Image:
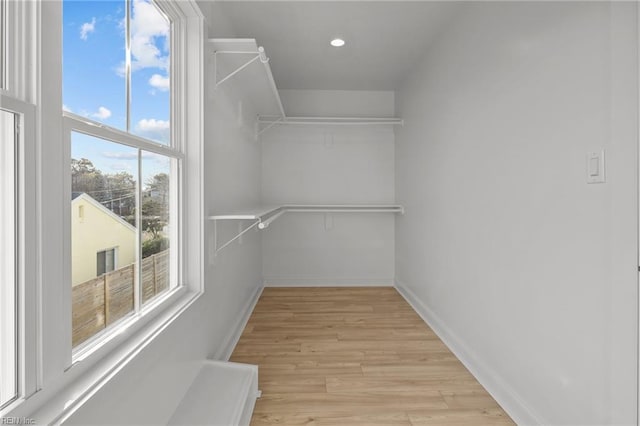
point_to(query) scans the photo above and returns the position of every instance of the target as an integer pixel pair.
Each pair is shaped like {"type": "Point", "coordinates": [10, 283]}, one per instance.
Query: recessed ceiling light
{"type": "Point", "coordinates": [337, 42]}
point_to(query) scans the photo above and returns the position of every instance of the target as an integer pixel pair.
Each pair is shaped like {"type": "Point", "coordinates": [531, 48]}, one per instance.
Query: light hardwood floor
{"type": "Point", "coordinates": [356, 356]}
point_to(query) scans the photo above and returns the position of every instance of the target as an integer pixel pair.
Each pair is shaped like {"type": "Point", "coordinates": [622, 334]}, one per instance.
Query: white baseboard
{"type": "Point", "coordinates": [326, 282]}
{"type": "Point", "coordinates": [225, 351]}
{"type": "Point", "coordinates": [508, 399]}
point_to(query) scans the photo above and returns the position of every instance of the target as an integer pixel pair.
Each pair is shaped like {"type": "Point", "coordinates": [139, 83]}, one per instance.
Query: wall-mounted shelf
{"type": "Point", "coordinates": [244, 60]}
{"type": "Point", "coordinates": [264, 216]}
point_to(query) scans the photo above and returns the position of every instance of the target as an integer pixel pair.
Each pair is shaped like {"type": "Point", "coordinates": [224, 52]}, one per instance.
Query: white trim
{"type": "Point", "coordinates": [229, 344]}
{"type": "Point", "coordinates": [637, 108]}
{"type": "Point", "coordinates": [192, 172]}
{"type": "Point", "coordinates": [508, 399]}
{"type": "Point", "coordinates": [123, 349]}
{"type": "Point", "coordinates": [9, 290]}
{"type": "Point", "coordinates": [4, 35]}
{"type": "Point", "coordinates": [27, 237]}
{"type": "Point", "coordinates": [275, 281]}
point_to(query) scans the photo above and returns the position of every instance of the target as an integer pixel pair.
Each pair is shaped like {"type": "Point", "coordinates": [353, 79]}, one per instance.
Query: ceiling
{"type": "Point", "coordinates": [384, 39]}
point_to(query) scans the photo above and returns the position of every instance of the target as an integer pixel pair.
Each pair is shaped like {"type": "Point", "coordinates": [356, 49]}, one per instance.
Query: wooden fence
{"type": "Point", "coordinates": [99, 302]}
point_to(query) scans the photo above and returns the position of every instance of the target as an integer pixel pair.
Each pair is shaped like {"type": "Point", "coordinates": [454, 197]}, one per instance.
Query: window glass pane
{"type": "Point", "coordinates": [94, 83]}
{"type": "Point", "coordinates": [8, 282]}
{"type": "Point", "coordinates": [103, 233]}
{"type": "Point", "coordinates": [156, 225]}
{"type": "Point", "coordinates": [150, 94]}
{"type": "Point", "coordinates": [105, 261]}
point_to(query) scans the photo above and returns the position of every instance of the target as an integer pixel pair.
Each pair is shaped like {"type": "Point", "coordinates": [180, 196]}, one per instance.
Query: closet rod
{"type": "Point", "coordinates": [361, 122]}
{"type": "Point", "coordinates": [265, 223]}
{"type": "Point", "coordinates": [344, 210]}
{"type": "Point", "coordinates": [271, 117]}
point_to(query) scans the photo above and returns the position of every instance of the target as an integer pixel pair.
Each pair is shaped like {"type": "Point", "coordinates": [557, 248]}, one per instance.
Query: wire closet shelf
{"type": "Point", "coordinates": [270, 109]}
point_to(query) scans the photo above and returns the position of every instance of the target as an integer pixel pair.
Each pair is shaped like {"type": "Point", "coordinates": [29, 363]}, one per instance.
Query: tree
{"type": "Point", "coordinates": [121, 191]}
{"type": "Point", "coordinates": [154, 217]}
{"type": "Point", "coordinates": [86, 178]}
{"type": "Point", "coordinates": [158, 187]}
{"type": "Point", "coordinates": [115, 191]}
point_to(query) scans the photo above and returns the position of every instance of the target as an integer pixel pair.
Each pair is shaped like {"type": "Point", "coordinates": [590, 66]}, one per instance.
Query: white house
{"type": "Point", "coordinates": [101, 241]}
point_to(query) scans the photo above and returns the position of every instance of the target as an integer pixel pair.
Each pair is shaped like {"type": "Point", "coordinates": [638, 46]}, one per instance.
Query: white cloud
{"type": "Point", "coordinates": [121, 155]}
{"type": "Point", "coordinates": [153, 125]}
{"type": "Point", "coordinates": [147, 25]}
{"type": "Point", "coordinates": [156, 129]}
{"type": "Point", "coordinates": [66, 108]}
{"type": "Point", "coordinates": [159, 82]}
{"type": "Point", "coordinates": [129, 155]}
{"type": "Point", "coordinates": [102, 114]}
{"type": "Point", "coordinates": [87, 28]}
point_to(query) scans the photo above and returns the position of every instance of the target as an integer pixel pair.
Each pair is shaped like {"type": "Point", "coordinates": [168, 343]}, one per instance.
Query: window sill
{"type": "Point", "coordinates": [94, 366]}
{"type": "Point", "coordinates": [106, 340]}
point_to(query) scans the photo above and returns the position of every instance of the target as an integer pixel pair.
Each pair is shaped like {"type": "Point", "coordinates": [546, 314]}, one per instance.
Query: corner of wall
{"type": "Point", "coordinates": [506, 397]}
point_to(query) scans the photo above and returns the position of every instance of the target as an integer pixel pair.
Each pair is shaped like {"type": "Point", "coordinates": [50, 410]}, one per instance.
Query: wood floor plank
{"type": "Point", "coordinates": [282, 384]}
{"type": "Point", "coordinates": [323, 419]}
{"type": "Point", "coordinates": [356, 356]}
{"type": "Point", "coordinates": [349, 404]}
{"type": "Point", "coordinates": [460, 417]}
{"type": "Point", "coordinates": [357, 384]}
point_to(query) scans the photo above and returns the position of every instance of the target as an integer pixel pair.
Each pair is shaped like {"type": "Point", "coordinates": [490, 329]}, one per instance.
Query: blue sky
{"type": "Point", "coordinates": [94, 81]}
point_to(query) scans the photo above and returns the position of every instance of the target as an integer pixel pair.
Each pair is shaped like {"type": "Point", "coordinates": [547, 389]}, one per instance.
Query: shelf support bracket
{"type": "Point", "coordinates": [240, 234]}
{"type": "Point", "coordinates": [236, 71]}
{"type": "Point", "coordinates": [273, 123]}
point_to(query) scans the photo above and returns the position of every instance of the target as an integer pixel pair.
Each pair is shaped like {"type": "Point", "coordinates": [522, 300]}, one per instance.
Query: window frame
{"type": "Point", "coordinates": [9, 290]}
{"type": "Point", "coordinates": [175, 150]}
{"type": "Point", "coordinates": [55, 387]}
{"type": "Point", "coordinates": [74, 123]}
{"type": "Point", "coordinates": [28, 348]}
{"type": "Point", "coordinates": [18, 96]}
{"type": "Point", "coordinates": [114, 260]}
{"type": "Point", "coordinates": [77, 124]}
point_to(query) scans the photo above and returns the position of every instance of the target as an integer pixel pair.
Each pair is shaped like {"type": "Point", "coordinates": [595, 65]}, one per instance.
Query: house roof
{"type": "Point", "coordinates": [76, 197]}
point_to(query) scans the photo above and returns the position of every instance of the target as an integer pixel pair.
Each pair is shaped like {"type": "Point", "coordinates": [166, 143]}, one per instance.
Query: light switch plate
{"type": "Point", "coordinates": [595, 167]}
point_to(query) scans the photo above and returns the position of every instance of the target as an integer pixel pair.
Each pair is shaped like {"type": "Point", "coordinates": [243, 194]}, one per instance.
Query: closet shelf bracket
{"type": "Point", "coordinates": [271, 124]}
{"type": "Point", "coordinates": [240, 234]}
{"type": "Point", "coordinates": [234, 72]}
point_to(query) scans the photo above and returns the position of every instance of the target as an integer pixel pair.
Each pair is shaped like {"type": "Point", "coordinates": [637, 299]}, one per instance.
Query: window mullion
{"type": "Point", "coordinates": [127, 37]}
{"type": "Point", "coordinates": [137, 283]}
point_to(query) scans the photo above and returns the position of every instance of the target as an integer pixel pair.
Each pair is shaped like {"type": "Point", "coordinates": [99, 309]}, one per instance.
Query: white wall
{"type": "Point", "coordinates": [526, 271]}
{"type": "Point", "coordinates": [330, 165]}
{"type": "Point", "coordinates": [149, 388]}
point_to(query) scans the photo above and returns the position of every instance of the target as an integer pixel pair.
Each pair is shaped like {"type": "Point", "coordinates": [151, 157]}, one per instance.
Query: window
{"type": "Point", "coordinates": [40, 305]}
{"type": "Point", "coordinates": [124, 161]}
{"type": "Point", "coordinates": [106, 260]}
{"type": "Point", "coordinates": [8, 279]}
{"type": "Point", "coordinates": [19, 348]}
